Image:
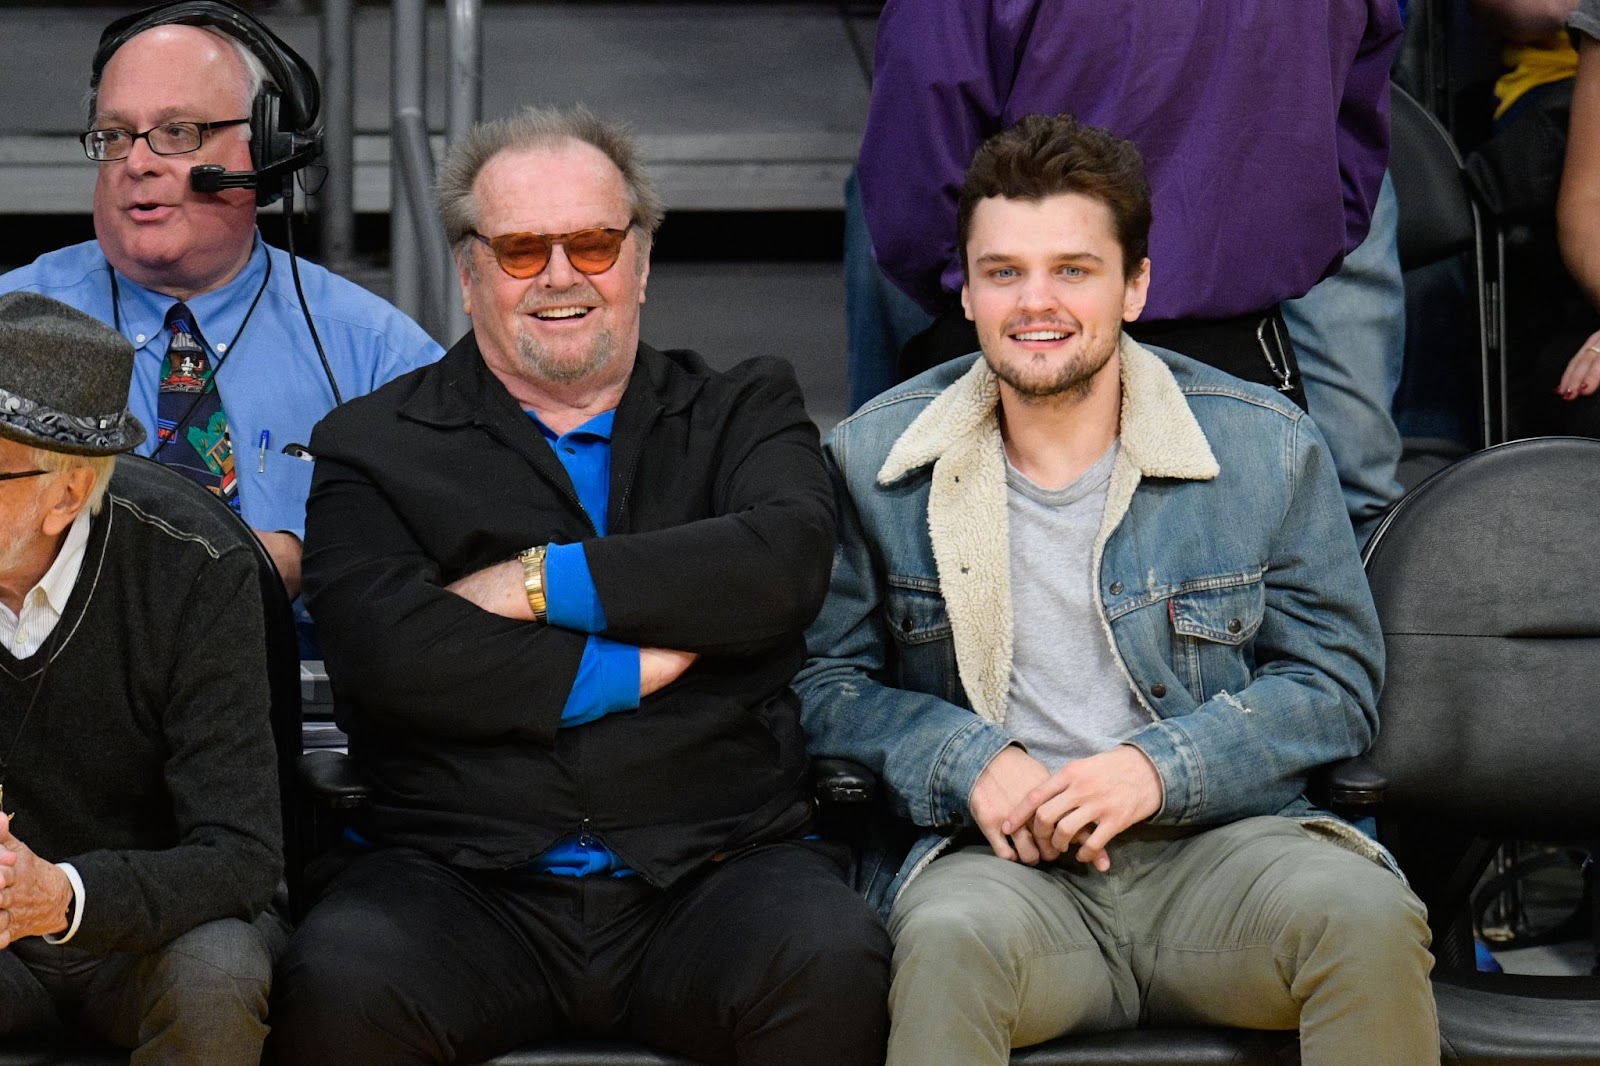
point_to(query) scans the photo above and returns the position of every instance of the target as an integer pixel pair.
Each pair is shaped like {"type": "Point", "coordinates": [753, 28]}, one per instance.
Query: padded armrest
{"type": "Point", "coordinates": [333, 779]}
{"type": "Point", "coordinates": [1356, 783]}
{"type": "Point", "coordinates": [842, 782]}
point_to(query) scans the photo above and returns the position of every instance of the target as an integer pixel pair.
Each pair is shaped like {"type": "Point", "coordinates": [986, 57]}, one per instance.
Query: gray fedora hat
{"type": "Point", "coordinates": [63, 379]}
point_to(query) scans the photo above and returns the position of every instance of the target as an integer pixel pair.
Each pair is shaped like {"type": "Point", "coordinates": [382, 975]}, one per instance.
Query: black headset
{"type": "Point", "coordinates": [284, 136]}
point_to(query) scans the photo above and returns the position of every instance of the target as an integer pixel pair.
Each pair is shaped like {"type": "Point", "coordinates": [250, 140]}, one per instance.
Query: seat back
{"type": "Point", "coordinates": [1440, 219]}
{"type": "Point", "coordinates": [1437, 216]}
{"type": "Point", "coordinates": [1492, 625]}
{"type": "Point", "coordinates": [222, 525]}
{"type": "Point", "coordinates": [1487, 724]}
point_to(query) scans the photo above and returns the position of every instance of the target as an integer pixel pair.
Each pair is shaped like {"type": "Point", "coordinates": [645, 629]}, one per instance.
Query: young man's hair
{"type": "Point", "coordinates": [1047, 155]}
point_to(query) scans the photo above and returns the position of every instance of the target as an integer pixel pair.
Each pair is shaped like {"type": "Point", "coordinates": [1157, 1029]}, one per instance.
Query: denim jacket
{"type": "Point", "coordinates": [1230, 588]}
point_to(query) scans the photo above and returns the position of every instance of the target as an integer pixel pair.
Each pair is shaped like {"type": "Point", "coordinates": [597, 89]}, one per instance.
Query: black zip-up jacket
{"type": "Point", "coordinates": [720, 538]}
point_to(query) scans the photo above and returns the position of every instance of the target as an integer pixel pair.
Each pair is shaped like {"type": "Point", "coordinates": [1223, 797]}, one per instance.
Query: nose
{"type": "Point", "coordinates": [140, 158]}
{"type": "Point", "coordinates": [559, 273]}
{"type": "Point", "coordinates": [1037, 292]}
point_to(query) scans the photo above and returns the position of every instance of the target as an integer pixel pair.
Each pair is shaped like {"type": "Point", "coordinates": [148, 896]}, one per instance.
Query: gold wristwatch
{"type": "Point", "coordinates": [533, 580]}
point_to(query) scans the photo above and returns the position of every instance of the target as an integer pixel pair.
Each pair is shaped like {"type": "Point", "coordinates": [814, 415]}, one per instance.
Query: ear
{"type": "Point", "coordinates": [68, 494]}
{"type": "Point", "coordinates": [642, 250]}
{"type": "Point", "coordinates": [1136, 292]}
{"type": "Point", "coordinates": [966, 303]}
{"type": "Point", "coordinates": [464, 277]}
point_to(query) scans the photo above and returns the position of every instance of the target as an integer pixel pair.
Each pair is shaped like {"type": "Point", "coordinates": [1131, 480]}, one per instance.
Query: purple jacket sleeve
{"type": "Point", "coordinates": [939, 84]}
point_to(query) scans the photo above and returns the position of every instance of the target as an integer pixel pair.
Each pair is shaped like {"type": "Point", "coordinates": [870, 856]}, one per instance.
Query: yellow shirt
{"type": "Point", "coordinates": [1533, 63]}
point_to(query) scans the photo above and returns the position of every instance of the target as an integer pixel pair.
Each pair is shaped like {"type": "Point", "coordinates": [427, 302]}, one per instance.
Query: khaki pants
{"type": "Point", "coordinates": [1258, 924]}
{"type": "Point", "coordinates": [201, 998]}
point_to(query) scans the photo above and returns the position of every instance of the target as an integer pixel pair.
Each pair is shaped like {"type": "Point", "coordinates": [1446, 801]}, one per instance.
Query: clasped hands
{"type": "Point", "coordinates": [1030, 815]}
{"type": "Point", "coordinates": [34, 894]}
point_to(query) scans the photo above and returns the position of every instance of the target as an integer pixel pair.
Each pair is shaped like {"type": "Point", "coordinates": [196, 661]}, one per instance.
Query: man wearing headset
{"type": "Point", "coordinates": [228, 375]}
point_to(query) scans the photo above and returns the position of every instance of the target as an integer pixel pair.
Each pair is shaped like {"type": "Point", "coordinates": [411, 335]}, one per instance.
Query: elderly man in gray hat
{"type": "Point", "coordinates": [140, 840]}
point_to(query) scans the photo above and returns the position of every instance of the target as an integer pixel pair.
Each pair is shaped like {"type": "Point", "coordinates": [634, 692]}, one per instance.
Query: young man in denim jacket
{"type": "Point", "coordinates": [1096, 614]}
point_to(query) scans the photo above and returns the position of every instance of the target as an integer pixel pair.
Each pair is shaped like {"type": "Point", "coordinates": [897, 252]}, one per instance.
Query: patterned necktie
{"type": "Point", "coordinates": [190, 423]}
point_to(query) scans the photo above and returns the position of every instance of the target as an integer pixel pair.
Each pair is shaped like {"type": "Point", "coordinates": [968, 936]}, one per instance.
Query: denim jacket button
{"type": "Point", "coordinates": [1234, 625]}
{"type": "Point", "coordinates": [1116, 588]}
{"type": "Point", "coordinates": [907, 625]}
{"type": "Point", "coordinates": [1158, 690]}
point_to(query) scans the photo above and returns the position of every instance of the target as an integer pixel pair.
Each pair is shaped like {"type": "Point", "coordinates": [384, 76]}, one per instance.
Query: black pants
{"type": "Point", "coordinates": [766, 959]}
{"type": "Point", "coordinates": [1255, 347]}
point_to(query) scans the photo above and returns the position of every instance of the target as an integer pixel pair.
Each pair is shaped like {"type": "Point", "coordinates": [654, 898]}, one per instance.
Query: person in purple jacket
{"type": "Point", "coordinates": [1265, 131]}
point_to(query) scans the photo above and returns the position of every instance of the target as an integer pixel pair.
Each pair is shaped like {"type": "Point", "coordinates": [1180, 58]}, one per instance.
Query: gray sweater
{"type": "Point", "coordinates": [148, 761]}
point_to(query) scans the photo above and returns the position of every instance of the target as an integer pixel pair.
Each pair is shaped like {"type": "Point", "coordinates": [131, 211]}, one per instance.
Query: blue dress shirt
{"type": "Point", "coordinates": [270, 379]}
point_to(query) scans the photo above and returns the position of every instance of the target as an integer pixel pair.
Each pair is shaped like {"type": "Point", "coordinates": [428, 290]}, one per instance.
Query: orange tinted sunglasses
{"type": "Point", "coordinates": [522, 255]}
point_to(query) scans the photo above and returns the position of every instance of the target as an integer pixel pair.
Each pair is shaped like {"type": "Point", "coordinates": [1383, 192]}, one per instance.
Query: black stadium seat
{"type": "Point", "coordinates": [1483, 577]}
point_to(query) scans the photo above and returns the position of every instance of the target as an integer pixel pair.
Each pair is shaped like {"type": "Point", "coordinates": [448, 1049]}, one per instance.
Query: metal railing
{"type": "Point", "coordinates": [421, 266]}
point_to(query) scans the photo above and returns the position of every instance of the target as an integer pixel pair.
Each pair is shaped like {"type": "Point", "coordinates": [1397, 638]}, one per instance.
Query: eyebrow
{"type": "Point", "coordinates": [1065, 257]}
{"type": "Point", "coordinates": [166, 114]}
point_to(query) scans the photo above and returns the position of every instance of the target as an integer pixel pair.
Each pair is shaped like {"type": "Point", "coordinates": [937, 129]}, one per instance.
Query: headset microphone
{"type": "Point", "coordinates": [284, 135]}
{"type": "Point", "coordinates": [213, 178]}
{"type": "Point", "coordinates": [270, 181]}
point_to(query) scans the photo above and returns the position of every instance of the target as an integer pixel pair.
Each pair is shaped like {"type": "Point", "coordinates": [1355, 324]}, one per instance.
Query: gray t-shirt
{"type": "Point", "coordinates": [1587, 18]}
{"type": "Point", "coordinates": [1068, 697]}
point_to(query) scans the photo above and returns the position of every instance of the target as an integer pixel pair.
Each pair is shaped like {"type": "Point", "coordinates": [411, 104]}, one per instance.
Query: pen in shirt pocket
{"type": "Point", "coordinates": [261, 455]}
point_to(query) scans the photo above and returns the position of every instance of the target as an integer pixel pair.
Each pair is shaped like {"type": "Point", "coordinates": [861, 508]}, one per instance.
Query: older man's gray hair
{"type": "Point", "coordinates": [539, 127]}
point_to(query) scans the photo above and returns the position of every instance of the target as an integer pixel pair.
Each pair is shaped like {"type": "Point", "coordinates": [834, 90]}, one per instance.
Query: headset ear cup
{"type": "Point", "coordinates": [263, 127]}
{"type": "Point", "coordinates": [269, 145]}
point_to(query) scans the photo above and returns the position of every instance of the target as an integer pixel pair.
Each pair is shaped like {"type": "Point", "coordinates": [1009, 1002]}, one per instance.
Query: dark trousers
{"type": "Point", "coordinates": [1255, 347]}
{"type": "Point", "coordinates": [768, 958]}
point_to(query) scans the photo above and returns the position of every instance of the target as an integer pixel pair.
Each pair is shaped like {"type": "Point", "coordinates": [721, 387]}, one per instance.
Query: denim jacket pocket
{"type": "Point", "coordinates": [1211, 632]}
{"type": "Point", "coordinates": [924, 655]}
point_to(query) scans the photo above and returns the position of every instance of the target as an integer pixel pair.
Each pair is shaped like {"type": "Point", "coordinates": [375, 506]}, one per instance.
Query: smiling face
{"type": "Point", "coordinates": [559, 326]}
{"type": "Point", "coordinates": [1048, 293]}
{"type": "Point", "coordinates": [151, 226]}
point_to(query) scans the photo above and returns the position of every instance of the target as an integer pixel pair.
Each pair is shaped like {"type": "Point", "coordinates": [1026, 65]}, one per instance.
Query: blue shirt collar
{"type": "Point", "coordinates": [218, 313]}
{"type": "Point", "coordinates": [597, 428]}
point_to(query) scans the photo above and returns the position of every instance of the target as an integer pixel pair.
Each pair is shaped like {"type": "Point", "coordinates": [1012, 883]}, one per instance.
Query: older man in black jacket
{"type": "Point", "coordinates": [562, 580]}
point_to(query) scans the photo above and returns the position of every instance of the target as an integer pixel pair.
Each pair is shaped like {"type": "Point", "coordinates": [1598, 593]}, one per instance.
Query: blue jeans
{"type": "Point", "coordinates": [1349, 332]}
{"type": "Point", "coordinates": [879, 318]}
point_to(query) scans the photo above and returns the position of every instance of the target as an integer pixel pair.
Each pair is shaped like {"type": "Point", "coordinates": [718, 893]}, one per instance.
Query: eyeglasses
{"type": "Point", "coordinates": [522, 255]}
{"type": "Point", "coordinates": [169, 138]}
{"type": "Point", "coordinates": [22, 473]}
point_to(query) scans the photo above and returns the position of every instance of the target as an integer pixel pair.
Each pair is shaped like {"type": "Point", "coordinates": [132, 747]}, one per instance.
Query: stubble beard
{"type": "Point", "coordinates": [1072, 381]}
{"type": "Point", "coordinates": [547, 366]}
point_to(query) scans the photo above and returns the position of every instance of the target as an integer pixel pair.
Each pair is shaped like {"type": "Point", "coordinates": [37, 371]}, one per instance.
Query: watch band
{"type": "Point", "coordinates": [533, 580]}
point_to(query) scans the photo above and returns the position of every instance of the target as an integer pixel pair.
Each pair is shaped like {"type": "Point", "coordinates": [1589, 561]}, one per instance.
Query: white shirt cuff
{"type": "Point", "coordinates": [79, 897]}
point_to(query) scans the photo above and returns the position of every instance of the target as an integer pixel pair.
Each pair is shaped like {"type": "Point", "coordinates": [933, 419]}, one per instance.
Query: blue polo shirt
{"type": "Point", "coordinates": [608, 674]}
